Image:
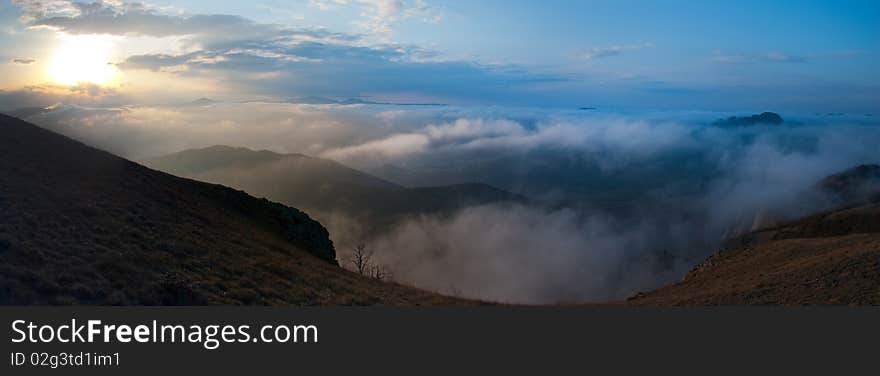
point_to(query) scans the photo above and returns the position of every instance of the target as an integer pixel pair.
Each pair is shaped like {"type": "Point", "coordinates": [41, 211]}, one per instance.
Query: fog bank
{"type": "Point", "coordinates": [621, 201]}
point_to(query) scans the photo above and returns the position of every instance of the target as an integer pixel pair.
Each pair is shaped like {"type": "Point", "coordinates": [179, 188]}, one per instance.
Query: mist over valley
{"type": "Point", "coordinates": [504, 204]}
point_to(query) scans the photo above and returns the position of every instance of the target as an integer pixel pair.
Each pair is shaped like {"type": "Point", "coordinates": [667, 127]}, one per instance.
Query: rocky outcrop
{"type": "Point", "coordinates": [301, 229]}
{"type": "Point", "coordinates": [296, 226]}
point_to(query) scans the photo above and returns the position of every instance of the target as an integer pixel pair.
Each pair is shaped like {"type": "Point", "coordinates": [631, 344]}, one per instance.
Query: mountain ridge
{"type": "Point", "coordinates": [81, 226]}
{"type": "Point", "coordinates": [324, 186]}
{"type": "Point", "coordinates": [827, 258]}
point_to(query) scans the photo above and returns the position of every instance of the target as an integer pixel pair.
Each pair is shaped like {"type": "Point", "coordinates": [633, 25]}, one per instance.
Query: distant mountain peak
{"type": "Point", "coordinates": [203, 101]}
{"type": "Point", "coordinates": [770, 118]}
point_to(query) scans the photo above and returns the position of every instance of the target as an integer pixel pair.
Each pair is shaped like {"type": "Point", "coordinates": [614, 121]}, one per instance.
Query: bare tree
{"type": "Point", "coordinates": [360, 258]}
{"type": "Point", "coordinates": [380, 272]}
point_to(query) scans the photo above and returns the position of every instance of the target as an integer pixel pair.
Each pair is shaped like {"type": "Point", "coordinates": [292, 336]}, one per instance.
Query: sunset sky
{"type": "Point", "coordinates": [715, 55]}
{"type": "Point", "coordinates": [557, 151]}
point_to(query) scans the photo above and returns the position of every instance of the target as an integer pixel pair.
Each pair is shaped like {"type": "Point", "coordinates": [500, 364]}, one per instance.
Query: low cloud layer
{"type": "Point", "coordinates": [526, 255]}
{"type": "Point", "coordinates": [620, 202]}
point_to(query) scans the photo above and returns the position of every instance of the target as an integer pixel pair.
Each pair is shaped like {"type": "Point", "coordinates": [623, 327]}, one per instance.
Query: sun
{"type": "Point", "coordinates": [82, 59]}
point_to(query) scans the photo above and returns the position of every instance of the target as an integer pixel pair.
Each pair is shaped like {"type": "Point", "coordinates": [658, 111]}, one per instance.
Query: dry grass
{"type": "Point", "coordinates": [827, 259]}
{"type": "Point", "coordinates": [81, 226]}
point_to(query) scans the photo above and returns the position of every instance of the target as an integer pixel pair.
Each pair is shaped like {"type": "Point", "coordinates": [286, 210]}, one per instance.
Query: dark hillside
{"type": "Point", "coordinates": [82, 226]}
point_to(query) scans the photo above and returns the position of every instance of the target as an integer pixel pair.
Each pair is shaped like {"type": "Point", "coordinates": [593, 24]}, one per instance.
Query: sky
{"type": "Point", "coordinates": [808, 56]}
{"type": "Point", "coordinates": [127, 77]}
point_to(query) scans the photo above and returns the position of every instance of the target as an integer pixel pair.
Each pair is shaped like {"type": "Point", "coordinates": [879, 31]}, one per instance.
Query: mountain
{"type": "Point", "coordinates": [323, 186]}
{"type": "Point", "coordinates": [202, 102]}
{"type": "Point", "coordinates": [82, 226]}
{"type": "Point", "coordinates": [770, 118]}
{"type": "Point", "coordinates": [582, 181]}
{"type": "Point", "coordinates": [831, 257]}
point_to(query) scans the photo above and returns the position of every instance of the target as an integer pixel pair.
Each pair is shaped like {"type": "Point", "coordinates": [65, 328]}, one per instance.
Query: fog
{"type": "Point", "coordinates": [620, 201]}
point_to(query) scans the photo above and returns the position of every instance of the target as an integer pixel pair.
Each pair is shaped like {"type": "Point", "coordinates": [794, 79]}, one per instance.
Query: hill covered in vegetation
{"type": "Point", "coordinates": [82, 226]}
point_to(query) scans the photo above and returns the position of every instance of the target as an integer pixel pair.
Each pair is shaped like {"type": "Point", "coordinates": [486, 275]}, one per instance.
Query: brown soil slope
{"type": "Point", "coordinates": [81, 226]}
{"type": "Point", "coordinates": [827, 258]}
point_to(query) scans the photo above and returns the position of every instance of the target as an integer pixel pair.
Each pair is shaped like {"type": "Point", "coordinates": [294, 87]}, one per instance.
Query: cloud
{"type": "Point", "coordinates": [36, 9]}
{"type": "Point", "coordinates": [633, 200]}
{"type": "Point", "coordinates": [101, 18]}
{"type": "Point", "coordinates": [236, 52]}
{"type": "Point", "coordinates": [770, 57]}
{"type": "Point", "coordinates": [534, 255]}
{"type": "Point", "coordinates": [91, 90]}
{"type": "Point", "coordinates": [144, 131]}
{"type": "Point", "coordinates": [138, 19]}
{"type": "Point", "coordinates": [379, 16]}
{"type": "Point", "coordinates": [524, 255]}
{"type": "Point", "coordinates": [48, 94]}
{"type": "Point", "coordinates": [478, 135]}
{"type": "Point", "coordinates": [307, 68]}
{"type": "Point", "coordinates": [395, 146]}
{"type": "Point", "coordinates": [22, 61]}
{"type": "Point", "coordinates": [239, 57]}
{"type": "Point", "coordinates": [603, 52]}
{"type": "Point", "coordinates": [473, 128]}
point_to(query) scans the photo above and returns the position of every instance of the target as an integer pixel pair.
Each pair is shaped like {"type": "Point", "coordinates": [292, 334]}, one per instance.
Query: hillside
{"type": "Point", "coordinates": [322, 186]}
{"type": "Point", "coordinates": [826, 258]}
{"type": "Point", "coordinates": [82, 226]}
{"type": "Point", "coordinates": [858, 184]}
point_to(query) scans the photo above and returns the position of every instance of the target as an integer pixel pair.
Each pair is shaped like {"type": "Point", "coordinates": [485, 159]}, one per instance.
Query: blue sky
{"type": "Point", "coordinates": [716, 55]}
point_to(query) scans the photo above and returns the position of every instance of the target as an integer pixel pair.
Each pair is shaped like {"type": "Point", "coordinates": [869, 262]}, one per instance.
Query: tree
{"type": "Point", "coordinates": [360, 258]}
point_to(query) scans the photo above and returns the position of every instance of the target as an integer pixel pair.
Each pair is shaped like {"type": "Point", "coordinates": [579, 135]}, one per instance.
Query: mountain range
{"type": "Point", "coordinates": [82, 226]}
{"type": "Point", "coordinates": [323, 186]}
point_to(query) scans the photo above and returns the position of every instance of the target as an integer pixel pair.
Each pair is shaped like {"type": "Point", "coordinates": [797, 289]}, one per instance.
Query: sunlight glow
{"type": "Point", "coordinates": [82, 59]}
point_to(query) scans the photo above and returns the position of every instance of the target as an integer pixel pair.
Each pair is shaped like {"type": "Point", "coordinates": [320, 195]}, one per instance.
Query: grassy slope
{"type": "Point", "coordinates": [827, 258]}
{"type": "Point", "coordinates": [81, 226]}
